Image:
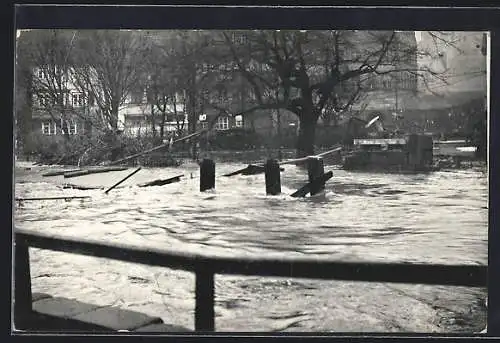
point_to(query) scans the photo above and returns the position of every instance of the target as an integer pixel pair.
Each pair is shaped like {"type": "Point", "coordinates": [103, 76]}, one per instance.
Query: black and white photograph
{"type": "Point", "coordinates": [256, 180]}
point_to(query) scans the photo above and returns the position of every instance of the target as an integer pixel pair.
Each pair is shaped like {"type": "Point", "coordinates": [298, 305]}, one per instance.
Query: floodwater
{"type": "Point", "coordinates": [435, 218]}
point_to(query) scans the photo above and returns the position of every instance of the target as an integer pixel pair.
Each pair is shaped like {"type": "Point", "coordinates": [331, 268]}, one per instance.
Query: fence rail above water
{"type": "Point", "coordinates": [205, 267]}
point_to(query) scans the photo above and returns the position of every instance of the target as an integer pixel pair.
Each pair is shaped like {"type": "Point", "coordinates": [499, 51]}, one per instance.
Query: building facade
{"type": "Point", "coordinates": [57, 104]}
{"type": "Point", "coordinates": [457, 94]}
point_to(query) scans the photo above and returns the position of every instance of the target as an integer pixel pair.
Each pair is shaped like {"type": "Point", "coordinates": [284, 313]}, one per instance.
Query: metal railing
{"type": "Point", "coordinates": [205, 267]}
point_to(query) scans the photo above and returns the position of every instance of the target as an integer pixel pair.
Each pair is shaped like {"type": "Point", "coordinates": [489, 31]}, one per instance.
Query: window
{"type": "Point", "coordinates": [239, 121]}
{"type": "Point", "coordinates": [40, 73]}
{"type": "Point", "coordinates": [77, 100]}
{"type": "Point", "coordinates": [49, 127]}
{"type": "Point", "coordinates": [239, 38]}
{"type": "Point", "coordinates": [387, 83]}
{"type": "Point", "coordinates": [42, 100]}
{"type": "Point", "coordinates": [204, 125]}
{"type": "Point", "coordinates": [222, 123]}
{"type": "Point", "coordinates": [205, 68]}
{"type": "Point", "coordinates": [71, 126]}
{"type": "Point", "coordinates": [46, 128]}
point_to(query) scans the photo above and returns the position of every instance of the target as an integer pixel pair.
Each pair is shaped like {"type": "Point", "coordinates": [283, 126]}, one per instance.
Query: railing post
{"type": "Point", "coordinates": [273, 177]}
{"type": "Point", "coordinates": [207, 175]}
{"type": "Point", "coordinates": [22, 284]}
{"type": "Point", "coordinates": [315, 170]}
{"type": "Point", "coordinates": [204, 308]}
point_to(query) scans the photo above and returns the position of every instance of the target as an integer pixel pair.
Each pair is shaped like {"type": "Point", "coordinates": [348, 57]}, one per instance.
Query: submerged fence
{"type": "Point", "coordinates": [206, 267]}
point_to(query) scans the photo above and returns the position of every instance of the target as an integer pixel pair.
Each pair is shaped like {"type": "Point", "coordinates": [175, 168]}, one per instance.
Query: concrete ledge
{"type": "Point", "coordinates": [113, 318]}
{"type": "Point", "coordinates": [162, 328]}
{"type": "Point", "coordinates": [39, 296]}
{"type": "Point", "coordinates": [62, 314]}
{"type": "Point", "coordinates": [61, 307]}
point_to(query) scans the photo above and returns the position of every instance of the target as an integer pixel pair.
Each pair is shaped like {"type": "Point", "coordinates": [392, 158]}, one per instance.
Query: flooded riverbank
{"type": "Point", "coordinates": [434, 218]}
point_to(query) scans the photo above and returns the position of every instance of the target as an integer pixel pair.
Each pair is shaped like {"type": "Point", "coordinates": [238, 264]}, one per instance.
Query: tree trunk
{"type": "Point", "coordinates": [278, 115]}
{"type": "Point", "coordinates": [162, 125]}
{"type": "Point", "coordinates": [153, 122]}
{"type": "Point", "coordinates": [192, 114]}
{"type": "Point", "coordinates": [307, 133]}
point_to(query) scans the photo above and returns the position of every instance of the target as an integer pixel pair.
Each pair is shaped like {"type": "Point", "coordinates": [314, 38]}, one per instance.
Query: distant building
{"type": "Point", "coordinates": [443, 102]}
{"type": "Point", "coordinates": [134, 115]}
{"type": "Point", "coordinates": [388, 93]}
{"type": "Point", "coordinates": [448, 101]}
{"type": "Point", "coordinates": [460, 57]}
{"type": "Point", "coordinates": [66, 106]}
{"type": "Point", "coordinates": [137, 112]}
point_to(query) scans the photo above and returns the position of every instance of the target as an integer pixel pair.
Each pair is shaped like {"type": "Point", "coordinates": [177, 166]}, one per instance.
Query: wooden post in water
{"type": "Point", "coordinates": [420, 151]}
{"type": "Point", "coordinates": [22, 285]}
{"type": "Point", "coordinates": [273, 180]}
{"type": "Point", "coordinates": [207, 175]}
{"type": "Point", "coordinates": [315, 170]}
{"type": "Point", "coordinates": [204, 297]}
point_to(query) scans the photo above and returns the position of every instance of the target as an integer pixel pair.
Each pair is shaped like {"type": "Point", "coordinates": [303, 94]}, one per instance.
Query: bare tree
{"type": "Point", "coordinates": [49, 54]}
{"type": "Point", "coordinates": [314, 70]}
{"type": "Point", "coordinates": [163, 86]}
{"type": "Point", "coordinates": [106, 68]}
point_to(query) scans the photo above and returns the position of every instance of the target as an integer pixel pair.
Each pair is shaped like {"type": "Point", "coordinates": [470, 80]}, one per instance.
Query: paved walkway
{"type": "Point", "coordinates": [63, 315]}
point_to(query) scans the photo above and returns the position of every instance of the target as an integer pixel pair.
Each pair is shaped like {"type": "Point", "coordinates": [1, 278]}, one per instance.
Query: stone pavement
{"type": "Point", "coordinates": [68, 315]}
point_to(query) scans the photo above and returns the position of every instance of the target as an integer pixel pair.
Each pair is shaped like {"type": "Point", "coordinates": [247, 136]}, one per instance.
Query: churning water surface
{"type": "Point", "coordinates": [435, 218]}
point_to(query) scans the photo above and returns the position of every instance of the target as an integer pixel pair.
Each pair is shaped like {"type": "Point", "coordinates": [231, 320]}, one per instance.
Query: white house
{"type": "Point", "coordinates": [67, 100]}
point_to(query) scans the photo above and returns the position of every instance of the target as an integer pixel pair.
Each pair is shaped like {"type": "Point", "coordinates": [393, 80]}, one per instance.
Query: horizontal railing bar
{"type": "Point", "coordinates": [311, 268]}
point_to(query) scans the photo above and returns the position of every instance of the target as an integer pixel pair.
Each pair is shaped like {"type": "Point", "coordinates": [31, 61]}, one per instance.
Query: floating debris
{"type": "Point", "coordinates": [161, 182]}
{"type": "Point", "coordinates": [122, 180]}
{"type": "Point", "coordinates": [94, 170]}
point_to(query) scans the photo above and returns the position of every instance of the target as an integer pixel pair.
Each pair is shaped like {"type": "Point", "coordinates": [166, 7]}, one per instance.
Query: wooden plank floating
{"type": "Point", "coordinates": [251, 169]}
{"type": "Point", "coordinates": [161, 182]}
{"type": "Point", "coordinates": [304, 159]}
{"type": "Point", "coordinates": [54, 198]}
{"type": "Point", "coordinates": [122, 180]}
{"type": "Point", "coordinates": [95, 170]}
{"type": "Point", "coordinates": [302, 192]}
{"type": "Point", "coordinates": [60, 172]}
{"type": "Point", "coordinates": [82, 188]}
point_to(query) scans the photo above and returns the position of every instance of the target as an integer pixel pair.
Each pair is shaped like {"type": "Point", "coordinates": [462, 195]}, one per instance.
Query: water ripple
{"type": "Point", "coordinates": [436, 218]}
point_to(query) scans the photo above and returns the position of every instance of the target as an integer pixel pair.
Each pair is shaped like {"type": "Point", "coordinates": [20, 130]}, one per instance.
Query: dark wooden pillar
{"type": "Point", "coordinates": [205, 300]}
{"type": "Point", "coordinates": [22, 285]}
{"type": "Point", "coordinates": [315, 170]}
{"type": "Point", "coordinates": [273, 177]}
{"type": "Point", "coordinates": [207, 175]}
{"type": "Point", "coordinates": [420, 151]}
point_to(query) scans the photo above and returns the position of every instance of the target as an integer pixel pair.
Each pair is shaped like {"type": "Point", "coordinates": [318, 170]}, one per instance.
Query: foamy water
{"type": "Point", "coordinates": [435, 218]}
